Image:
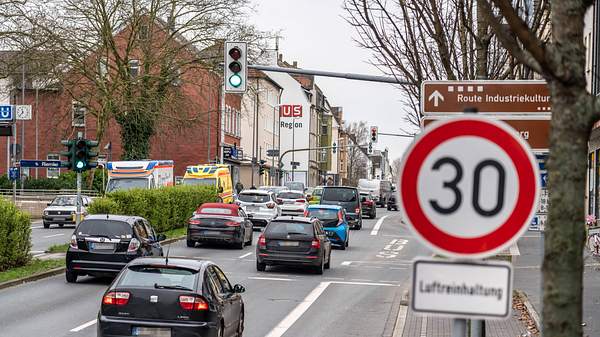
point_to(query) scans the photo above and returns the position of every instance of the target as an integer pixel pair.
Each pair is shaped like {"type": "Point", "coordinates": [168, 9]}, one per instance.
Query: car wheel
{"type": "Point", "coordinates": [319, 268]}
{"type": "Point", "coordinates": [328, 264]}
{"type": "Point", "coordinates": [240, 245]}
{"type": "Point", "coordinates": [46, 224]}
{"type": "Point", "coordinates": [343, 246]}
{"type": "Point", "coordinates": [220, 330]}
{"type": "Point", "coordinates": [347, 243]}
{"type": "Point", "coordinates": [71, 276]}
{"type": "Point", "coordinates": [60, 225]}
{"type": "Point", "coordinates": [260, 266]}
{"type": "Point", "coordinates": [190, 243]}
{"type": "Point", "coordinates": [240, 329]}
{"type": "Point", "coordinates": [249, 243]}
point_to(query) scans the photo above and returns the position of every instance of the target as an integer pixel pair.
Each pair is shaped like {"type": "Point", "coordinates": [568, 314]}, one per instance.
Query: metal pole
{"type": "Point", "coordinates": [459, 327]}
{"type": "Point", "coordinates": [78, 212]}
{"type": "Point", "coordinates": [13, 158]}
{"type": "Point", "coordinates": [348, 76]}
{"type": "Point", "coordinates": [37, 143]}
{"type": "Point", "coordinates": [23, 121]}
{"type": "Point", "coordinates": [477, 328]}
{"type": "Point", "coordinates": [222, 126]}
{"type": "Point", "coordinates": [395, 135]}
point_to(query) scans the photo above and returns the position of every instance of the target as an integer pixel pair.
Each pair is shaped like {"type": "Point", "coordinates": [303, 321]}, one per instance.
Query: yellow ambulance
{"type": "Point", "coordinates": [216, 175]}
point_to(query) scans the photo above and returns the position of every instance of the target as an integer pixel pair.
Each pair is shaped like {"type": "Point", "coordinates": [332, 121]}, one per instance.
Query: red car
{"type": "Point", "coordinates": [367, 205]}
{"type": "Point", "coordinates": [217, 222]}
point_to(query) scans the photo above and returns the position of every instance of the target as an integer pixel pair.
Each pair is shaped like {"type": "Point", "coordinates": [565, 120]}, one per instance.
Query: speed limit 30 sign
{"type": "Point", "coordinates": [468, 186]}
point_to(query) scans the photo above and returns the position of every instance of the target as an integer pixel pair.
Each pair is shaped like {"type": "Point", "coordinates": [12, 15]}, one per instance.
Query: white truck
{"type": "Point", "coordinates": [380, 189]}
{"type": "Point", "coordinates": [145, 174]}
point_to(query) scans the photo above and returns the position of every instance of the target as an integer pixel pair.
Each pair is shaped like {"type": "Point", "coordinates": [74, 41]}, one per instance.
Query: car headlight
{"type": "Point", "coordinates": [45, 212]}
{"type": "Point", "coordinates": [72, 212]}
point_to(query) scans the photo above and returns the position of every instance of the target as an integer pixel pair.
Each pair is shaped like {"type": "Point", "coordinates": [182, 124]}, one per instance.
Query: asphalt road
{"type": "Point", "coordinates": [355, 297]}
{"type": "Point", "coordinates": [42, 238]}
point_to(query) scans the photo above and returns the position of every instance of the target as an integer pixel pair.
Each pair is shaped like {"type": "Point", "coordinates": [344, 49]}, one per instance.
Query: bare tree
{"type": "Point", "coordinates": [126, 60]}
{"type": "Point", "coordinates": [396, 169]}
{"type": "Point", "coordinates": [418, 40]}
{"type": "Point", "coordinates": [562, 63]}
{"type": "Point", "coordinates": [358, 132]}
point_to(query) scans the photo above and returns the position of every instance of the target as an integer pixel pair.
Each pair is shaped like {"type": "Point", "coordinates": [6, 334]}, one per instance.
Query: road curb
{"type": "Point", "coordinates": [60, 270]}
{"type": "Point", "coordinates": [34, 277]}
{"type": "Point", "coordinates": [530, 309]}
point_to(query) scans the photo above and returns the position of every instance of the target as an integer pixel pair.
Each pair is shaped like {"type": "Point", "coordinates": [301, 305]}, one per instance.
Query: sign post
{"type": "Point", "coordinates": [468, 189]}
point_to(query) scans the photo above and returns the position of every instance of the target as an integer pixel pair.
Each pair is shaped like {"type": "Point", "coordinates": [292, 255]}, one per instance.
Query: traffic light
{"type": "Point", "coordinates": [80, 157]}
{"type": "Point", "coordinates": [334, 148]}
{"type": "Point", "coordinates": [92, 154]}
{"type": "Point", "coordinates": [261, 167]}
{"type": "Point", "coordinates": [370, 149]}
{"type": "Point", "coordinates": [235, 72]}
{"type": "Point", "coordinates": [70, 144]}
{"type": "Point", "coordinates": [374, 134]}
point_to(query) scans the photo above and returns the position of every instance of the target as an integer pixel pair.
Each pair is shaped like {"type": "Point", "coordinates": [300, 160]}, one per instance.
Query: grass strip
{"type": "Point", "coordinates": [33, 267]}
{"type": "Point", "coordinates": [174, 233]}
{"type": "Point", "coordinates": [62, 248]}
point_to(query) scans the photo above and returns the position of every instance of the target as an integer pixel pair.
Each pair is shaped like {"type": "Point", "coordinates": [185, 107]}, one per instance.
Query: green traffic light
{"type": "Point", "coordinates": [80, 165]}
{"type": "Point", "coordinates": [235, 80]}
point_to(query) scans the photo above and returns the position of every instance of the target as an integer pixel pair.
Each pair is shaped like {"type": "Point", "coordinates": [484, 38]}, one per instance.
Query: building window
{"type": "Point", "coordinates": [78, 114]}
{"type": "Point", "coordinates": [53, 172]}
{"type": "Point", "coordinates": [144, 33]}
{"type": "Point", "coordinates": [134, 68]}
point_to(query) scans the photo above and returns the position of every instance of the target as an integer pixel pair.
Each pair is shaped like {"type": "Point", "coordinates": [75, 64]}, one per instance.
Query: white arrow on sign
{"type": "Point", "coordinates": [436, 97]}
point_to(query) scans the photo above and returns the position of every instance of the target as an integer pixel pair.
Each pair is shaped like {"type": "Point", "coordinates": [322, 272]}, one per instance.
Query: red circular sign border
{"type": "Point", "coordinates": [510, 143]}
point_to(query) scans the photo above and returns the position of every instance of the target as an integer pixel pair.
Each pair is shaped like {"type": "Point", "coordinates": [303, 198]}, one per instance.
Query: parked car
{"type": "Point", "coordinates": [61, 210]}
{"type": "Point", "coordinates": [218, 222]}
{"type": "Point", "coordinates": [297, 241]}
{"type": "Point", "coordinates": [171, 297]}
{"type": "Point", "coordinates": [315, 197]}
{"type": "Point", "coordinates": [335, 224]}
{"type": "Point", "coordinates": [392, 203]}
{"type": "Point", "coordinates": [346, 197]}
{"type": "Point", "coordinates": [295, 186]}
{"type": "Point", "coordinates": [292, 203]}
{"type": "Point", "coordinates": [103, 244]}
{"type": "Point", "coordinates": [262, 205]}
{"type": "Point", "coordinates": [367, 205]}
{"type": "Point", "coordinates": [275, 189]}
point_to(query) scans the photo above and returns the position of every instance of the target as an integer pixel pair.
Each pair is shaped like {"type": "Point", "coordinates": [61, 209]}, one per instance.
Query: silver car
{"type": "Point", "coordinates": [61, 210]}
{"type": "Point", "coordinates": [261, 205]}
{"type": "Point", "coordinates": [292, 203]}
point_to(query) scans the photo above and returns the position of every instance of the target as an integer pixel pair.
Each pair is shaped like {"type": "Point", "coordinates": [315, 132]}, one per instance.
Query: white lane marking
{"type": "Point", "coordinates": [360, 280]}
{"type": "Point", "coordinates": [392, 249]}
{"type": "Point", "coordinates": [378, 225]}
{"type": "Point", "coordinates": [346, 263]}
{"type": "Point", "coordinates": [245, 255]}
{"type": "Point", "coordinates": [366, 284]}
{"type": "Point", "coordinates": [424, 326]}
{"type": "Point", "coordinates": [270, 278]}
{"type": "Point", "coordinates": [300, 309]}
{"type": "Point", "coordinates": [83, 326]}
{"type": "Point", "coordinates": [37, 251]}
{"type": "Point", "coordinates": [51, 236]}
{"type": "Point", "coordinates": [514, 250]}
{"type": "Point", "coordinates": [38, 255]}
{"type": "Point", "coordinates": [36, 227]}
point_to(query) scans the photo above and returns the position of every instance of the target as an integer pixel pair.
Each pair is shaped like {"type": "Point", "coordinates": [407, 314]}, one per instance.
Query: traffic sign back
{"type": "Point", "coordinates": [468, 186]}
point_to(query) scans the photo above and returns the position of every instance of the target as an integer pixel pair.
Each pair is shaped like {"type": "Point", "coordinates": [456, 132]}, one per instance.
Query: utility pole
{"type": "Point", "coordinates": [222, 126]}
{"type": "Point", "coordinates": [78, 202]}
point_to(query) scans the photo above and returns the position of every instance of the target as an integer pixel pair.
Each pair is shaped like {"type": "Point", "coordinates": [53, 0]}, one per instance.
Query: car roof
{"type": "Point", "coordinates": [293, 218]}
{"type": "Point", "coordinates": [232, 207]}
{"type": "Point", "coordinates": [70, 196]}
{"type": "Point", "coordinates": [335, 207]}
{"type": "Point", "coordinates": [255, 192]}
{"type": "Point", "coordinates": [189, 263]}
{"type": "Point", "coordinates": [130, 219]}
{"type": "Point", "coordinates": [350, 187]}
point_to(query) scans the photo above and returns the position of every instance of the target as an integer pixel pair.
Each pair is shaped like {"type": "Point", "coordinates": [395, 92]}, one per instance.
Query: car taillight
{"type": "Point", "coordinates": [271, 205]}
{"type": "Point", "coordinates": [232, 224]}
{"type": "Point", "coordinates": [262, 242]}
{"type": "Point", "coordinates": [301, 200]}
{"type": "Point", "coordinates": [279, 201]}
{"type": "Point", "coordinates": [116, 298]}
{"type": "Point", "coordinates": [306, 213]}
{"type": "Point", "coordinates": [134, 244]}
{"type": "Point", "coordinates": [73, 242]}
{"type": "Point", "coordinates": [315, 244]}
{"type": "Point", "coordinates": [357, 210]}
{"type": "Point", "coordinates": [194, 222]}
{"type": "Point", "coordinates": [192, 303]}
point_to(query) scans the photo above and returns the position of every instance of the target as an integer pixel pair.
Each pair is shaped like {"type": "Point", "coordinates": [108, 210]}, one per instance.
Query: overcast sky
{"type": "Point", "coordinates": [315, 34]}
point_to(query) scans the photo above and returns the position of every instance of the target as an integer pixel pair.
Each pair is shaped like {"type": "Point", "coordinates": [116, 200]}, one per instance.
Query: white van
{"type": "Point", "coordinates": [380, 189]}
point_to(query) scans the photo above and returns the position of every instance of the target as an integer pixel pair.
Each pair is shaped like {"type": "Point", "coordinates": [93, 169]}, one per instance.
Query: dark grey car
{"type": "Point", "coordinates": [347, 197]}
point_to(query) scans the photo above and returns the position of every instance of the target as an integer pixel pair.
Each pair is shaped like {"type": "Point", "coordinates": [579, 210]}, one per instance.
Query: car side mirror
{"type": "Point", "coordinates": [161, 237]}
{"type": "Point", "coordinates": [48, 204]}
{"type": "Point", "coordinates": [238, 288]}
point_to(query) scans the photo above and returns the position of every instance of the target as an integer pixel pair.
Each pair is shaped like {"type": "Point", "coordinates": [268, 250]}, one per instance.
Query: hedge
{"type": "Point", "coordinates": [67, 180]}
{"type": "Point", "coordinates": [15, 230]}
{"type": "Point", "coordinates": [165, 208]}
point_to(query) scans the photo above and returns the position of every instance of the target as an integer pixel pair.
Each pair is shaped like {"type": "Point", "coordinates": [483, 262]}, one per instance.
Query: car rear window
{"type": "Point", "coordinates": [253, 197]}
{"type": "Point", "coordinates": [339, 194]}
{"type": "Point", "coordinates": [323, 214]}
{"type": "Point", "coordinates": [290, 195]}
{"type": "Point", "coordinates": [111, 228]}
{"type": "Point", "coordinates": [282, 227]}
{"type": "Point", "coordinates": [148, 276]}
{"type": "Point", "coordinates": [214, 210]}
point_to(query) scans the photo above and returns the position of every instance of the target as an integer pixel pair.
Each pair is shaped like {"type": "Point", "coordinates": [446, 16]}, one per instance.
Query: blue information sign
{"type": "Point", "coordinates": [40, 163]}
{"type": "Point", "coordinates": [6, 113]}
{"type": "Point", "coordinates": [13, 173]}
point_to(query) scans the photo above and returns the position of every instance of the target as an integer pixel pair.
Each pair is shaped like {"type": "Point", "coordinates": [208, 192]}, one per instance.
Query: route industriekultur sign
{"type": "Point", "coordinates": [493, 97]}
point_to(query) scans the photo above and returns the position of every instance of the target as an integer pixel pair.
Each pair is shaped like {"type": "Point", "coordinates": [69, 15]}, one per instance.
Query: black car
{"type": "Point", "coordinates": [218, 222]}
{"type": "Point", "coordinates": [392, 203]}
{"type": "Point", "coordinates": [291, 240]}
{"type": "Point", "coordinates": [171, 297]}
{"type": "Point", "coordinates": [103, 244]}
{"type": "Point", "coordinates": [347, 197]}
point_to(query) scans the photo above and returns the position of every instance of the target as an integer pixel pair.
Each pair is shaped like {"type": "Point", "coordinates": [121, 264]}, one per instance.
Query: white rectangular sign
{"type": "Point", "coordinates": [23, 112]}
{"type": "Point", "coordinates": [462, 289]}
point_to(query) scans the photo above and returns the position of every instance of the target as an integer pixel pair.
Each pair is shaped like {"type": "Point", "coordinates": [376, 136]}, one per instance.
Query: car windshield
{"type": "Point", "coordinates": [318, 191]}
{"type": "Point", "coordinates": [290, 195]}
{"type": "Point", "coordinates": [110, 228]}
{"type": "Point", "coordinates": [64, 201]}
{"type": "Point", "coordinates": [369, 184]}
{"type": "Point", "coordinates": [253, 197]}
{"type": "Point", "coordinates": [339, 194]}
{"type": "Point", "coordinates": [126, 184]}
{"type": "Point", "coordinates": [200, 182]}
{"type": "Point", "coordinates": [295, 185]}
{"type": "Point", "coordinates": [323, 214]}
{"type": "Point", "coordinates": [151, 276]}
{"type": "Point", "coordinates": [292, 228]}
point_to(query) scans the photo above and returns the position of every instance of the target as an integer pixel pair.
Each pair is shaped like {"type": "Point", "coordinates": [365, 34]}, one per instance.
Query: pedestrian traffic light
{"type": "Point", "coordinates": [235, 72]}
{"type": "Point", "coordinates": [70, 144]}
{"type": "Point", "coordinates": [374, 134]}
{"type": "Point", "coordinates": [370, 149]}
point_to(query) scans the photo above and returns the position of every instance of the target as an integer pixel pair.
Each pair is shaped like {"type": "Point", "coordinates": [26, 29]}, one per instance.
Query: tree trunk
{"type": "Point", "coordinates": [136, 130]}
{"type": "Point", "coordinates": [564, 236]}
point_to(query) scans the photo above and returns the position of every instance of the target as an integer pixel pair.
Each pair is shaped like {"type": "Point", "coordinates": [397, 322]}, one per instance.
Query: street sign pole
{"type": "Point", "coordinates": [459, 327]}
{"type": "Point", "coordinates": [78, 212]}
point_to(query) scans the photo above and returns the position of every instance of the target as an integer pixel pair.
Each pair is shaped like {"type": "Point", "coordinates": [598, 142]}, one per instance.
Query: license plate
{"type": "Point", "coordinates": [252, 208]}
{"type": "Point", "coordinates": [156, 332]}
{"type": "Point", "coordinates": [288, 243]}
{"type": "Point", "coordinates": [212, 233]}
{"type": "Point", "coordinates": [102, 246]}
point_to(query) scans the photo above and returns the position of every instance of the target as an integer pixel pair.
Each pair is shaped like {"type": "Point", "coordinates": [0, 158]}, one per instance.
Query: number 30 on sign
{"type": "Point", "coordinates": [468, 186]}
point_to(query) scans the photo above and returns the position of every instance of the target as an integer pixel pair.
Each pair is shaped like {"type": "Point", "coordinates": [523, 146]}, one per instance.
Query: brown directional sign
{"type": "Point", "coordinates": [497, 97]}
{"type": "Point", "coordinates": [535, 131]}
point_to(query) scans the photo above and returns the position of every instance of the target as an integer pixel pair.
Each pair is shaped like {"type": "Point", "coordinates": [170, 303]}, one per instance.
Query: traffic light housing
{"type": "Point", "coordinates": [370, 149]}
{"type": "Point", "coordinates": [261, 167]}
{"type": "Point", "coordinates": [235, 67]}
{"type": "Point", "coordinates": [69, 153]}
{"type": "Point", "coordinates": [334, 148]}
{"type": "Point", "coordinates": [374, 134]}
{"type": "Point", "coordinates": [80, 154]}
